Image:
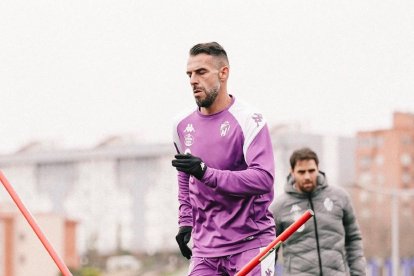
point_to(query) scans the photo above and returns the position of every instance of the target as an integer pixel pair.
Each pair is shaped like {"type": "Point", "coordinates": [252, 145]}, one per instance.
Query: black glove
{"type": "Point", "coordinates": [190, 164]}
{"type": "Point", "coordinates": [182, 238]}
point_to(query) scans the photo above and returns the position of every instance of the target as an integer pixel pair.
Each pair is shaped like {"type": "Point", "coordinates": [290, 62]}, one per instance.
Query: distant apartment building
{"type": "Point", "coordinates": [22, 253]}
{"type": "Point", "coordinates": [336, 154]}
{"type": "Point", "coordinates": [385, 162]}
{"type": "Point", "coordinates": [122, 194]}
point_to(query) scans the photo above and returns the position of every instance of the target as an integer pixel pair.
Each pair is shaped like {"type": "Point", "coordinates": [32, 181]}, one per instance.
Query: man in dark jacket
{"type": "Point", "coordinates": [329, 245]}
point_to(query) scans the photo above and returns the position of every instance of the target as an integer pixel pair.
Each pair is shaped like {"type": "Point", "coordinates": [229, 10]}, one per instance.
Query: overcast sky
{"type": "Point", "coordinates": [74, 72]}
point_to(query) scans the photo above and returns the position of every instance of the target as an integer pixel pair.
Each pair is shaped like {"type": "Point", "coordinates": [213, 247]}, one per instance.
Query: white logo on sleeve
{"type": "Point", "coordinates": [258, 118]}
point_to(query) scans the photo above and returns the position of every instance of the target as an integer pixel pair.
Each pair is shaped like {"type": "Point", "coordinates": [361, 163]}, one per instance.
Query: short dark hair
{"type": "Point", "coordinates": [303, 154]}
{"type": "Point", "coordinates": [209, 48]}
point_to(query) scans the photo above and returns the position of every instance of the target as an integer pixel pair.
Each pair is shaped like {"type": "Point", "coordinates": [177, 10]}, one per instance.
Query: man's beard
{"type": "Point", "coordinates": [310, 187]}
{"type": "Point", "coordinates": [209, 99]}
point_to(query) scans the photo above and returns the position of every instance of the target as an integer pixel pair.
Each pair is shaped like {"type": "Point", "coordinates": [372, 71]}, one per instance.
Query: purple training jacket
{"type": "Point", "coordinates": [229, 208]}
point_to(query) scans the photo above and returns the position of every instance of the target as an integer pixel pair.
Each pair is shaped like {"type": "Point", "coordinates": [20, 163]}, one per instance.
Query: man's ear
{"type": "Point", "coordinates": [224, 73]}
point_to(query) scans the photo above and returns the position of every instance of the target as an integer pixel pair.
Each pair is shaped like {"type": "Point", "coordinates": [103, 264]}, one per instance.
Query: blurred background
{"type": "Point", "coordinates": [89, 89]}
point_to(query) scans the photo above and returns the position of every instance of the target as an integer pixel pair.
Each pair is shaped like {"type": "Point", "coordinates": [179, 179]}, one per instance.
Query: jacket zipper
{"type": "Point", "coordinates": [316, 235]}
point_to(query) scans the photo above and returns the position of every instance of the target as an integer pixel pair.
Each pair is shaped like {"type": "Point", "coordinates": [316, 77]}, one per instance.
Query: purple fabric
{"type": "Point", "coordinates": [230, 265]}
{"type": "Point", "coordinates": [228, 208]}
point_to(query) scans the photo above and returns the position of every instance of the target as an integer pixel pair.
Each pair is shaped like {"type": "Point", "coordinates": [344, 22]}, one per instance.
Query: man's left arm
{"type": "Point", "coordinates": [257, 179]}
{"type": "Point", "coordinates": [353, 240]}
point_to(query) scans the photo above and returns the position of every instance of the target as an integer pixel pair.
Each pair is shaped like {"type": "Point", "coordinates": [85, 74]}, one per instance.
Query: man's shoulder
{"type": "Point", "coordinates": [283, 199]}
{"type": "Point", "coordinates": [243, 108]}
{"type": "Point", "coordinates": [285, 205]}
{"type": "Point", "coordinates": [339, 193]}
{"type": "Point", "coordinates": [248, 116]}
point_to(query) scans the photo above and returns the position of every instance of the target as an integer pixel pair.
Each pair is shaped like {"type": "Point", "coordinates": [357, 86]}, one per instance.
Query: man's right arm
{"type": "Point", "coordinates": [185, 216]}
{"type": "Point", "coordinates": [185, 213]}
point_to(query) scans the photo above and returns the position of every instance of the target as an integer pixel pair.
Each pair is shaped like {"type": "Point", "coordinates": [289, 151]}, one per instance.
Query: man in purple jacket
{"type": "Point", "coordinates": [225, 173]}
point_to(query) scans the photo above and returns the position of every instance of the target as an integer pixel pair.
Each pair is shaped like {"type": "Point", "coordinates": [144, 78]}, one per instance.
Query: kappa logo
{"type": "Point", "coordinates": [224, 128]}
{"type": "Point", "coordinates": [189, 128]}
{"type": "Point", "coordinates": [295, 208]}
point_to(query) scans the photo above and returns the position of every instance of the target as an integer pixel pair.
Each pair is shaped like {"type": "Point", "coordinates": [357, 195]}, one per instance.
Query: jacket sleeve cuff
{"type": "Point", "coordinates": [208, 178]}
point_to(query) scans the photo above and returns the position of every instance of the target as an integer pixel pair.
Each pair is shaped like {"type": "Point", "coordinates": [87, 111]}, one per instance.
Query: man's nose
{"type": "Point", "coordinates": [193, 79]}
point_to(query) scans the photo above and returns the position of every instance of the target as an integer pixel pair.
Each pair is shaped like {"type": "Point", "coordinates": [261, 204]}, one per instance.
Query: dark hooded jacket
{"type": "Point", "coordinates": [330, 241]}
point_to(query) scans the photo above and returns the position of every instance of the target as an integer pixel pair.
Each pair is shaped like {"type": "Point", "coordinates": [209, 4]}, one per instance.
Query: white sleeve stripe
{"type": "Point", "coordinates": [249, 137]}
{"type": "Point", "coordinates": [250, 127]}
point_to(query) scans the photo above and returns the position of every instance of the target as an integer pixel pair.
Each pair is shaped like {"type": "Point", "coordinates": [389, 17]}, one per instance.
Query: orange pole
{"type": "Point", "coordinates": [275, 244]}
{"type": "Point", "coordinates": [61, 265]}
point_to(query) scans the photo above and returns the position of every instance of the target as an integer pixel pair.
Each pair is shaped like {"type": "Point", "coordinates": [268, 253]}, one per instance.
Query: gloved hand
{"type": "Point", "coordinates": [190, 164]}
{"type": "Point", "coordinates": [182, 238]}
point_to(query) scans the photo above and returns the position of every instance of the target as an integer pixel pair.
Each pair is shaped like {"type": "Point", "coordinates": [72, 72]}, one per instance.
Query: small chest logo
{"type": "Point", "coordinates": [295, 208]}
{"type": "Point", "coordinates": [189, 128]}
{"type": "Point", "coordinates": [328, 203]}
{"type": "Point", "coordinates": [224, 128]}
{"type": "Point", "coordinates": [188, 139]}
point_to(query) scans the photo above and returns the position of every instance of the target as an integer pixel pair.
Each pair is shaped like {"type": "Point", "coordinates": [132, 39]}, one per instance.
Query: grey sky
{"type": "Point", "coordinates": [77, 71]}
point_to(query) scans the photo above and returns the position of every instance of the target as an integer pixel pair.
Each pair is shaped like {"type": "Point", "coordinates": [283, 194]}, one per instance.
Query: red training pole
{"type": "Point", "coordinates": [62, 267]}
{"type": "Point", "coordinates": [276, 243]}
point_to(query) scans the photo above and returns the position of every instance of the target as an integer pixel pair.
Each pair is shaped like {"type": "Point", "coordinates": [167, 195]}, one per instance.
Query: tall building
{"type": "Point", "coordinates": [385, 163]}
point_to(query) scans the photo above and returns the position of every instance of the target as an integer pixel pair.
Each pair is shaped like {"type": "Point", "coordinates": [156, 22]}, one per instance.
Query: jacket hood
{"type": "Point", "coordinates": [321, 183]}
